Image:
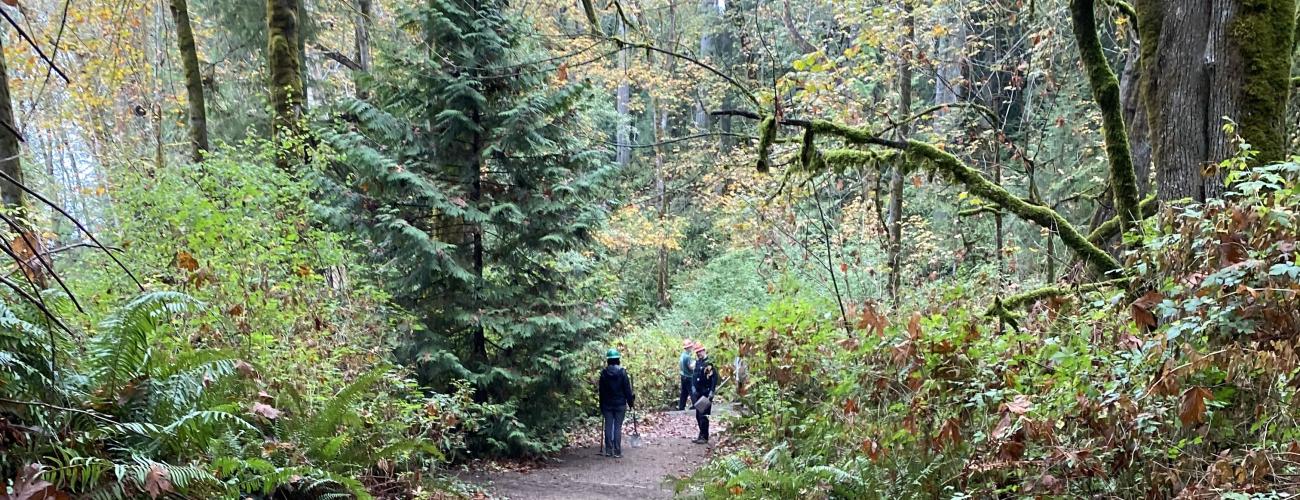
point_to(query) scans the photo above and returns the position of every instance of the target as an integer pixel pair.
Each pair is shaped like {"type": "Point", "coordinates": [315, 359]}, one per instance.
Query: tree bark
{"type": "Point", "coordinates": [896, 176]}
{"type": "Point", "coordinates": [11, 195]}
{"type": "Point", "coordinates": [286, 77]}
{"type": "Point", "coordinates": [1203, 60]}
{"type": "Point", "coordinates": [363, 46]}
{"type": "Point", "coordinates": [193, 80]}
{"type": "Point", "coordinates": [659, 122]}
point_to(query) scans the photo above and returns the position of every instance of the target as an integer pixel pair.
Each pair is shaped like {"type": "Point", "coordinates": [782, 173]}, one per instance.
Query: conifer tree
{"type": "Point", "coordinates": [471, 175]}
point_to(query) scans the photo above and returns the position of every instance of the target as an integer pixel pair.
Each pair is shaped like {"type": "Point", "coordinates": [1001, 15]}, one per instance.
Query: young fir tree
{"type": "Point", "coordinates": [472, 175]}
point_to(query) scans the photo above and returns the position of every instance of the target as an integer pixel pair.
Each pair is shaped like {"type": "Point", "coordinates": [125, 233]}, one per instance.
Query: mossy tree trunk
{"type": "Point", "coordinates": [1106, 91]}
{"type": "Point", "coordinates": [286, 77]}
{"type": "Point", "coordinates": [1203, 60]}
{"type": "Point", "coordinates": [193, 79]}
{"type": "Point", "coordinates": [10, 194]}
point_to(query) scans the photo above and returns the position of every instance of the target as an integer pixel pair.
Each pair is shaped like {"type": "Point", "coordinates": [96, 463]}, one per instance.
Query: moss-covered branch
{"type": "Point", "coordinates": [1105, 90]}
{"type": "Point", "coordinates": [1110, 228]}
{"type": "Point", "coordinates": [1002, 308]}
{"type": "Point", "coordinates": [949, 165]}
{"type": "Point", "coordinates": [979, 186]}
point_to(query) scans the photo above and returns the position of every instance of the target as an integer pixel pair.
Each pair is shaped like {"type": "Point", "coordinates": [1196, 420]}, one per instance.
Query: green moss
{"type": "Point", "coordinates": [766, 135]}
{"type": "Point", "coordinates": [850, 134]}
{"type": "Point", "coordinates": [1264, 32]}
{"type": "Point", "coordinates": [286, 72]}
{"type": "Point", "coordinates": [1105, 90]}
{"type": "Point", "coordinates": [1003, 308]}
{"type": "Point", "coordinates": [808, 151]}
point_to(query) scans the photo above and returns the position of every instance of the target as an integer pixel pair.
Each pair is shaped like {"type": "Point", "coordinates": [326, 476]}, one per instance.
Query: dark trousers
{"type": "Point", "coordinates": [613, 429]}
{"type": "Point", "coordinates": [702, 419]}
{"type": "Point", "coordinates": [687, 393]}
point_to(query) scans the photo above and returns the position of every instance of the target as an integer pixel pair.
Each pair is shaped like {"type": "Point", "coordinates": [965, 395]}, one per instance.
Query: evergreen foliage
{"type": "Point", "coordinates": [471, 177]}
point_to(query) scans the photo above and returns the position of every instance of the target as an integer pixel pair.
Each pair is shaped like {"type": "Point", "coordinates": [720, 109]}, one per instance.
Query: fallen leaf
{"type": "Point", "coordinates": [1141, 309]}
{"type": "Point", "coordinates": [1019, 405]}
{"type": "Point", "coordinates": [156, 482]}
{"type": "Point", "coordinates": [28, 486]}
{"type": "Point", "coordinates": [1192, 409]}
{"type": "Point", "coordinates": [186, 261]}
{"type": "Point", "coordinates": [245, 369]}
{"type": "Point", "coordinates": [265, 410]}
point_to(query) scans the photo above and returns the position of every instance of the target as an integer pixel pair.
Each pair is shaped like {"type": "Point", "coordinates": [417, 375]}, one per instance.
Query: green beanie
{"type": "Point", "coordinates": [611, 354]}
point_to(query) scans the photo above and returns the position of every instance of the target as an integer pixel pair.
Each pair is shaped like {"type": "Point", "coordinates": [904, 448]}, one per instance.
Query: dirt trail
{"type": "Point", "coordinates": [580, 474]}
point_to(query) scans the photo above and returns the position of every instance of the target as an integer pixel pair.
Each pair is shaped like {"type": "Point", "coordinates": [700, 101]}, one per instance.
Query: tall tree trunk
{"type": "Point", "coordinates": [363, 46]}
{"type": "Point", "coordinates": [193, 80]}
{"type": "Point", "coordinates": [10, 194]}
{"type": "Point", "coordinates": [659, 119]}
{"type": "Point", "coordinates": [896, 176]}
{"type": "Point", "coordinates": [1203, 60]}
{"type": "Point", "coordinates": [623, 134]}
{"type": "Point", "coordinates": [286, 76]}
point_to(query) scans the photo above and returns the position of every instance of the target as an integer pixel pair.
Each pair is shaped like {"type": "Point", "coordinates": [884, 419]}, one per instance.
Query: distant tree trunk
{"type": "Point", "coordinates": [193, 80]}
{"type": "Point", "coordinates": [659, 119]}
{"type": "Point", "coordinates": [948, 67]}
{"type": "Point", "coordinates": [363, 46]}
{"type": "Point", "coordinates": [1203, 60]}
{"type": "Point", "coordinates": [896, 176]}
{"type": "Point", "coordinates": [787, 17]}
{"type": "Point", "coordinates": [622, 104]}
{"type": "Point", "coordinates": [286, 75]}
{"type": "Point", "coordinates": [10, 194]}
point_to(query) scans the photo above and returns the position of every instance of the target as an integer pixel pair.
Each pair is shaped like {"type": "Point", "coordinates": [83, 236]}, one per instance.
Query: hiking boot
{"type": "Point", "coordinates": [700, 441]}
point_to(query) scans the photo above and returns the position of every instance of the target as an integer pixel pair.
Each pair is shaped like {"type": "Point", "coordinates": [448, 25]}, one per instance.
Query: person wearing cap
{"type": "Point", "coordinates": [686, 366]}
{"type": "Point", "coordinates": [615, 398]}
{"type": "Point", "coordinates": [705, 382]}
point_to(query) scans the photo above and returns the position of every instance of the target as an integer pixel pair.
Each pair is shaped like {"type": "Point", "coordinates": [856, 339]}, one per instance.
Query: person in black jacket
{"type": "Point", "coordinates": [615, 398]}
{"type": "Point", "coordinates": [705, 381]}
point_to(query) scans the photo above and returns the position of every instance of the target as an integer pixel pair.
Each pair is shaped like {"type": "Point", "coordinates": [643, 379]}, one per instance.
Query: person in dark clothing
{"type": "Point", "coordinates": [705, 382]}
{"type": "Point", "coordinates": [615, 398]}
{"type": "Point", "coordinates": [687, 374]}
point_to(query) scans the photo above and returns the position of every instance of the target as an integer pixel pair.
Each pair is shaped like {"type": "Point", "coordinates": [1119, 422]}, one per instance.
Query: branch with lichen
{"type": "Point", "coordinates": [1105, 90]}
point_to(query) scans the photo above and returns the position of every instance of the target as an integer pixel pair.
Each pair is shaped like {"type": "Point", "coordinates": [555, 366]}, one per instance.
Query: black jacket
{"type": "Point", "coordinates": [615, 388]}
{"type": "Point", "coordinates": [706, 378]}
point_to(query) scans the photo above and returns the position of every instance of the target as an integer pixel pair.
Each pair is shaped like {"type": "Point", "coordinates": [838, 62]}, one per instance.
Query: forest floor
{"type": "Point", "coordinates": [579, 473]}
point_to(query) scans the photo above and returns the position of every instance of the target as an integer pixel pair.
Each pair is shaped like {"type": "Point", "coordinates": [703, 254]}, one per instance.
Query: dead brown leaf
{"type": "Point", "coordinates": [1192, 409]}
